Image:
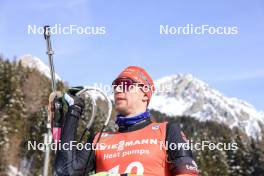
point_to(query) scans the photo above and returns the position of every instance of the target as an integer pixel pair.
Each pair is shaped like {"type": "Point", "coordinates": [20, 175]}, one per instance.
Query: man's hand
{"type": "Point", "coordinates": [75, 103]}
{"type": "Point", "coordinates": [51, 108]}
{"type": "Point", "coordinates": [73, 100]}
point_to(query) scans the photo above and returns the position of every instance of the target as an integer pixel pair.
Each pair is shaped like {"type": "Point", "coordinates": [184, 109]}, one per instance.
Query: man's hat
{"type": "Point", "coordinates": [139, 75]}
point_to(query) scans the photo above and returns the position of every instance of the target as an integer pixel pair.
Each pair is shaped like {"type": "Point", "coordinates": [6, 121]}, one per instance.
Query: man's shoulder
{"type": "Point", "coordinates": [175, 133]}
{"type": "Point", "coordinates": [172, 124]}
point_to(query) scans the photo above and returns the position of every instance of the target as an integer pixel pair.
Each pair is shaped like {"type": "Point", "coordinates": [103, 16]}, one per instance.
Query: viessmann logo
{"type": "Point", "coordinates": [122, 144]}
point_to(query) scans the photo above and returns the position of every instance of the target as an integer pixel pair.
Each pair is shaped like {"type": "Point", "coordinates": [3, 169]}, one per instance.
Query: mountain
{"type": "Point", "coordinates": [34, 62]}
{"type": "Point", "coordinates": [183, 94]}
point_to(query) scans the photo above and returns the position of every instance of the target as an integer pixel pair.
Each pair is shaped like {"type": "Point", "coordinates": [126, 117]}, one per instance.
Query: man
{"type": "Point", "coordinates": [138, 147]}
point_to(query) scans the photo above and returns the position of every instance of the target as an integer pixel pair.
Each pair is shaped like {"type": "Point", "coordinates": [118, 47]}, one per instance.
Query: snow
{"type": "Point", "coordinates": [186, 95]}
{"type": "Point", "coordinates": [168, 105]}
{"type": "Point", "coordinates": [34, 62]}
{"type": "Point", "coordinates": [13, 171]}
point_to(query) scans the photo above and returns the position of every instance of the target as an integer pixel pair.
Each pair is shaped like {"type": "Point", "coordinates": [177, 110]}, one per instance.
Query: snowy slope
{"type": "Point", "coordinates": [185, 95]}
{"type": "Point", "coordinates": [34, 62]}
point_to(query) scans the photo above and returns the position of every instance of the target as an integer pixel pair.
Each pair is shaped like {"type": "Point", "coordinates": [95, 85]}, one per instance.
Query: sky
{"type": "Point", "coordinates": [232, 64]}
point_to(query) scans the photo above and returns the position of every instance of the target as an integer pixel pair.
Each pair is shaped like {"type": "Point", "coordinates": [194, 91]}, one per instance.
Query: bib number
{"type": "Point", "coordinates": [138, 165]}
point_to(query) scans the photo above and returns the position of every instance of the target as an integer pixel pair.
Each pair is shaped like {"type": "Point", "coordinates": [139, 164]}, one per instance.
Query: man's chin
{"type": "Point", "coordinates": [121, 109]}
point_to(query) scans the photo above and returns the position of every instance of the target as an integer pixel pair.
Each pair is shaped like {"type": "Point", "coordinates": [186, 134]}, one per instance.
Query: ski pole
{"type": "Point", "coordinates": [58, 117]}
{"type": "Point", "coordinates": [50, 54]}
{"type": "Point", "coordinates": [48, 135]}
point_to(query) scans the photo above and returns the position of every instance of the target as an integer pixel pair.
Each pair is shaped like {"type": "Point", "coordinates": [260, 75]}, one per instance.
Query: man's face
{"type": "Point", "coordinates": [129, 101]}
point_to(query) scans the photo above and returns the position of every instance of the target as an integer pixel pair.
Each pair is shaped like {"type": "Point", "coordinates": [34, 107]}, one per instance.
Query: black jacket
{"type": "Point", "coordinates": [73, 162]}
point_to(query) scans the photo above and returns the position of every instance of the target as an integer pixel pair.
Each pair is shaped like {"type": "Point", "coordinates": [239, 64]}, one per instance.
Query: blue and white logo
{"type": "Point", "coordinates": [106, 135]}
{"type": "Point", "coordinates": [155, 127]}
